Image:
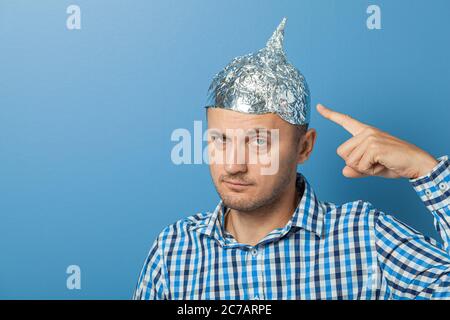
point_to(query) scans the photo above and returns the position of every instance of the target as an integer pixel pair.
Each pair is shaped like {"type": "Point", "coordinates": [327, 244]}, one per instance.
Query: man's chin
{"type": "Point", "coordinates": [239, 202]}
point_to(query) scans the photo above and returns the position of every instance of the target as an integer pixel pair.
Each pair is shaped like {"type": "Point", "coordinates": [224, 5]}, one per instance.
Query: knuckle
{"type": "Point", "coordinates": [351, 163]}
{"type": "Point", "coordinates": [370, 130]}
{"type": "Point", "coordinates": [373, 145]}
{"type": "Point", "coordinates": [361, 168]}
{"type": "Point", "coordinates": [371, 138]}
{"type": "Point", "coordinates": [347, 117]}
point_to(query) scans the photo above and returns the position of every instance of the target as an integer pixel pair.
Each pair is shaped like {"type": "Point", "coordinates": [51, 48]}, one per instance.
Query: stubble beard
{"type": "Point", "coordinates": [249, 204]}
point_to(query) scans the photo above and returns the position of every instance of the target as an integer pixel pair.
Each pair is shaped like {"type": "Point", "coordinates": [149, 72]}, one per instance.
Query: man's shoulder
{"type": "Point", "coordinates": [351, 210]}
{"type": "Point", "coordinates": [360, 214]}
{"type": "Point", "coordinates": [184, 227]}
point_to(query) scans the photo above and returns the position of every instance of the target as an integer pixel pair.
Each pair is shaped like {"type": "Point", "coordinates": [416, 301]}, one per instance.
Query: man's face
{"type": "Point", "coordinates": [253, 158]}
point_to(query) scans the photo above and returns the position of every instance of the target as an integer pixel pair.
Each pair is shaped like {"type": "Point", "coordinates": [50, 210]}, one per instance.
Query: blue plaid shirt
{"type": "Point", "coordinates": [325, 251]}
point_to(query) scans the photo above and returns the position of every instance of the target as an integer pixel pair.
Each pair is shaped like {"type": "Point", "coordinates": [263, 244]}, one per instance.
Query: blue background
{"type": "Point", "coordinates": [86, 118]}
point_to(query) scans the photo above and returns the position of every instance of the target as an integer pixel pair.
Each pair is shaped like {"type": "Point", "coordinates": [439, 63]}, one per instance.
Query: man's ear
{"type": "Point", "coordinates": [306, 145]}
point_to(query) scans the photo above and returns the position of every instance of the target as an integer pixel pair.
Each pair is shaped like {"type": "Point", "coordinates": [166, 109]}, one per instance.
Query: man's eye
{"type": "Point", "coordinates": [259, 141]}
{"type": "Point", "coordinates": [218, 139]}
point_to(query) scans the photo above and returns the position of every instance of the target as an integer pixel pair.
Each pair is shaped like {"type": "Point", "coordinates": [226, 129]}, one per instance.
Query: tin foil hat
{"type": "Point", "coordinates": [263, 82]}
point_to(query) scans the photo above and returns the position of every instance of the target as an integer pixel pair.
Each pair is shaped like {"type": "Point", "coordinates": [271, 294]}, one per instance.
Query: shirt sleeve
{"type": "Point", "coordinates": [434, 190]}
{"type": "Point", "coordinates": [151, 284]}
{"type": "Point", "coordinates": [413, 265]}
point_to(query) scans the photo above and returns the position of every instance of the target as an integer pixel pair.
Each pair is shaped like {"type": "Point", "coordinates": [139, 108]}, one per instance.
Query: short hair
{"type": "Point", "coordinates": [300, 130]}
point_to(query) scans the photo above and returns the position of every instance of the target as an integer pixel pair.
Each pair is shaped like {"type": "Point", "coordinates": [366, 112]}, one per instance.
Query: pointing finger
{"type": "Point", "coordinates": [348, 123]}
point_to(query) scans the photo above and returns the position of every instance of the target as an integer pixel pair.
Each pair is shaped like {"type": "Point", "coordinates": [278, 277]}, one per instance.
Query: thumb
{"type": "Point", "coordinates": [352, 173]}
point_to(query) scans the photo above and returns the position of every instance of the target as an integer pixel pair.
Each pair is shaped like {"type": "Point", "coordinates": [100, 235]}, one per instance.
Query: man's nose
{"type": "Point", "coordinates": [236, 159]}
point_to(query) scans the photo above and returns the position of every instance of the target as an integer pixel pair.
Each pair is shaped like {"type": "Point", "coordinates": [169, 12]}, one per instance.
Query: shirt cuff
{"type": "Point", "coordinates": [434, 187]}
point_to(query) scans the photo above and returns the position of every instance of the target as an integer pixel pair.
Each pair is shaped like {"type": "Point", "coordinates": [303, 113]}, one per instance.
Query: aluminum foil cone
{"type": "Point", "coordinates": [263, 82]}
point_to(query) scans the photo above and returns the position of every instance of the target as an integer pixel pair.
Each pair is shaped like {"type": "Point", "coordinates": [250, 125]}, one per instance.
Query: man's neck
{"type": "Point", "coordinates": [251, 227]}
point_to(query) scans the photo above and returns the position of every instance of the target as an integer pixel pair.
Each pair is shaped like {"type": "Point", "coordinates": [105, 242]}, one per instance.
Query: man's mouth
{"type": "Point", "coordinates": [236, 185]}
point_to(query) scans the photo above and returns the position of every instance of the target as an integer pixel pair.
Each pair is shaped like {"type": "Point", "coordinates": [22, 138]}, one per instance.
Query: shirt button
{"type": "Point", "coordinates": [443, 186]}
{"type": "Point", "coordinates": [254, 252]}
{"type": "Point", "coordinates": [428, 192]}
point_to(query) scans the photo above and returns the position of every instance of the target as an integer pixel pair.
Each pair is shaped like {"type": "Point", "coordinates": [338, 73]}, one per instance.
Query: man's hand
{"type": "Point", "coordinates": [372, 152]}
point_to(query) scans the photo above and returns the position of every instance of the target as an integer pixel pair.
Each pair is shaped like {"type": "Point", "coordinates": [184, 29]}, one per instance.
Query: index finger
{"type": "Point", "coordinates": [348, 123]}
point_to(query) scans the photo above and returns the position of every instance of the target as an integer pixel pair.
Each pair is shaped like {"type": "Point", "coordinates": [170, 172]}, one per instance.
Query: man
{"type": "Point", "coordinates": [270, 237]}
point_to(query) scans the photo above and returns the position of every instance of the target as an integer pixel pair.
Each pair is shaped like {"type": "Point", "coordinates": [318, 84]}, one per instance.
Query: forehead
{"type": "Point", "coordinates": [223, 119]}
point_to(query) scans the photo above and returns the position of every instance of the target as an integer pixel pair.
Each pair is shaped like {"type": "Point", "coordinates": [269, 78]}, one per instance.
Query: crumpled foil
{"type": "Point", "coordinates": [263, 82]}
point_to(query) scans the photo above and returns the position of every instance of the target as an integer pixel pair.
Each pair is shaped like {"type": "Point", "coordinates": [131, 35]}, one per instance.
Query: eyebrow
{"type": "Point", "coordinates": [257, 131]}
{"type": "Point", "coordinates": [249, 132]}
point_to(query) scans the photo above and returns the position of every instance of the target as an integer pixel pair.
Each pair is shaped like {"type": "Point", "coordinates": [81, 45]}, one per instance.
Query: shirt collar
{"type": "Point", "coordinates": [310, 211]}
{"type": "Point", "coordinates": [308, 215]}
